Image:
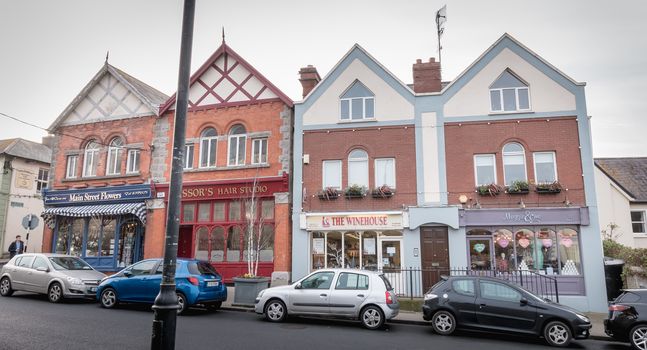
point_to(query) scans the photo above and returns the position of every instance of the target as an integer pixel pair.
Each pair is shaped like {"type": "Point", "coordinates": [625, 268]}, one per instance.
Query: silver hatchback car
{"type": "Point", "coordinates": [59, 276]}
{"type": "Point", "coordinates": [348, 293]}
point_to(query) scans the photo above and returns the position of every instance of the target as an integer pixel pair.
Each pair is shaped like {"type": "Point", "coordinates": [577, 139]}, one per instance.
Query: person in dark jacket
{"type": "Point", "coordinates": [16, 247]}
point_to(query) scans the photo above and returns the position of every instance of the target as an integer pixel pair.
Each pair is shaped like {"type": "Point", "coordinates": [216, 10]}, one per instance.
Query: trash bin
{"type": "Point", "coordinates": [613, 276]}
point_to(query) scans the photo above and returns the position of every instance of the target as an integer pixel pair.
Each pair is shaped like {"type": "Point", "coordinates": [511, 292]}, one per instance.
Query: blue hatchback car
{"type": "Point", "coordinates": [197, 283]}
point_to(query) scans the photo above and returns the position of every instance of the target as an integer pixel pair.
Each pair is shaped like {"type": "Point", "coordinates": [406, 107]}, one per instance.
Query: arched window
{"type": "Point", "coordinates": [514, 163]}
{"type": "Point", "coordinates": [357, 103]}
{"type": "Point", "coordinates": [218, 244]}
{"type": "Point", "coordinates": [234, 238]}
{"type": "Point", "coordinates": [114, 156]}
{"type": "Point", "coordinates": [509, 94]}
{"type": "Point", "coordinates": [91, 158]}
{"type": "Point", "coordinates": [237, 141]}
{"type": "Point", "coordinates": [358, 168]}
{"type": "Point", "coordinates": [208, 141]}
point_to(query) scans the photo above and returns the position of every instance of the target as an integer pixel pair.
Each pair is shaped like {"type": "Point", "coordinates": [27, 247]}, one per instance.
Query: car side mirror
{"type": "Point", "coordinates": [42, 269]}
{"type": "Point", "coordinates": [128, 273]}
{"type": "Point", "coordinates": [298, 286]}
{"type": "Point", "coordinates": [523, 302]}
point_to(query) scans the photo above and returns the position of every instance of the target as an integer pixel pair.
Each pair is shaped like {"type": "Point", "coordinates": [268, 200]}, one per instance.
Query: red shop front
{"type": "Point", "coordinates": [218, 218]}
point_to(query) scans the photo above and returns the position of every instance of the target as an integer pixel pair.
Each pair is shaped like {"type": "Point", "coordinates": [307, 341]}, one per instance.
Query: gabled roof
{"type": "Point", "coordinates": [226, 78]}
{"type": "Point", "coordinates": [507, 39]}
{"type": "Point", "coordinates": [150, 96]}
{"type": "Point", "coordinates": [26, 149]}
{"type": "Point", "coordinates": [630, 174]}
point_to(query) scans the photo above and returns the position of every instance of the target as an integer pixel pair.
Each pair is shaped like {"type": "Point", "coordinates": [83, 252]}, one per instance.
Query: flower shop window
{"type": "Point", "coordinates": [569, 251]}
{"type": "Point", "coordinates": [484, 169]}
{"type": "Point", "coordinates": [545, 167]}
{"type": "Point", "coordinates": [357, 103]}
{"type": "Point", "coordinates": [114, 156]}
{"type": "Point", "coordinates": [514, 163]}
{"type": "Point", "coordinates": [504, 249]}
{"type": "Point", "coordinates": [509, 93]}
{"type": "Point", "coordinates": [385, 172]}
{"type": "Point", "coordinates": [331, 174]}
{"type": "Point", "coordinates": [237, 141]}
{"type": "Point", "coordinates": [208, 142]}
{"type": "Point", "coordinates": [358, 168]}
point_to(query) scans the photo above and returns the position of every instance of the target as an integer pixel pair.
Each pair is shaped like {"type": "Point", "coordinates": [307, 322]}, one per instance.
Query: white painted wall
{"type": "Point", "coordinates": [431, 172]}
{"type": "Point", "coordinates": [474, 98]}
{"type": "Point", "coordinates": [389, 104]}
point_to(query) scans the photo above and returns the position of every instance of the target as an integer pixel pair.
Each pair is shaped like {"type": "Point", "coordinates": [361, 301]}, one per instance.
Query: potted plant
{"type": "Point", "coordinates": [328, 193]}
{"type": "Point", "coordinates": [383, 191]}
{"type": "Point", "coordinates": [548, 187]}
{"type": "Point", "coordinates": [518, 187]}
{"type": "Point", "coordinates": [355, 191]}
{"type": "Point", "coordinates": [488, 190]}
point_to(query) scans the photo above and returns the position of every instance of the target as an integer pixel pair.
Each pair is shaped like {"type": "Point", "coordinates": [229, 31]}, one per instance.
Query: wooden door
{"type": "Point", "coordinates": [435, 255]}
{"type": "Point", "coordinates": [185, 242]}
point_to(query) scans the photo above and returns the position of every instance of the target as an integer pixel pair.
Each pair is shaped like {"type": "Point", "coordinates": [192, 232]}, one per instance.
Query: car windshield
{"type": "Point", "coordinates": [69, 263]}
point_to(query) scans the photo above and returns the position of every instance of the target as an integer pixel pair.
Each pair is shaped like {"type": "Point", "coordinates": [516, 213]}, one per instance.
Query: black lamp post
{"type": "Point", "coordinates": [166, 303]}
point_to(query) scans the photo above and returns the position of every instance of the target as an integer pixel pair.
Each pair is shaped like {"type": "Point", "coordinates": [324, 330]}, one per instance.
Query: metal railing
{"type": "Point", "coordinates": [414, 282]}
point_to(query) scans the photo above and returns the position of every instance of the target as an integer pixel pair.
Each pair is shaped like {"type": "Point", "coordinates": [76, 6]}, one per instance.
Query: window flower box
{"type": "Point", "coordinates": [328, 193]}
{"type": "Point", "coordinates": [355, 191]}
{"type": "Point", "coordinates": [383, 191]}
{"type": "Point", "coordinates": [548, 188]}
{"type": "Point", "coordinates": [518, 187]}
{"type": "Point", "coordinates": [489, 190]}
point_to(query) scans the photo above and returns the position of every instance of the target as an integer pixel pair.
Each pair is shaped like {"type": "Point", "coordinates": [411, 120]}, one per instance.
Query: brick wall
{"type": "Point", "coordinates": [386, 142]}
{"type": "Point", "coordinates": [464, 140]}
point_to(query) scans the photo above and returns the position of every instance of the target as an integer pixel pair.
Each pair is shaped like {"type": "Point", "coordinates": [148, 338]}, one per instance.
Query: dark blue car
{"type": "Point", "coordinates": [197, 283]}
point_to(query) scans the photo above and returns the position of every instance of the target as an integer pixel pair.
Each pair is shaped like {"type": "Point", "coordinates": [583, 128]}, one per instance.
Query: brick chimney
{"type": "Point", "coordinates": [309, 78]}
{"type": "Point", "coordinates": [48, 141]}
{"type": "Point", "coordinates": [426, 76]}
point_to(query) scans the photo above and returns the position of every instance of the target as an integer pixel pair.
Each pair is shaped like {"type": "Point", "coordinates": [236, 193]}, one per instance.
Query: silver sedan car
{"type": "Point", "coordinates": [348, 293]}
{"type": "Point", "coordinates": [59, 276]}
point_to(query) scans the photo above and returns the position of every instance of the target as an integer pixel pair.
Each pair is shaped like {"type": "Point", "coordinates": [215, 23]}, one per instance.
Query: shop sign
{"type": "Point", "coordinates": [263, 188]}
{"type": "Point", "coordinates": [516, 217]}
{"type": "Point", "coordinates": [103, 195]}
{"type": "Point", "coordinates": [355, 222]}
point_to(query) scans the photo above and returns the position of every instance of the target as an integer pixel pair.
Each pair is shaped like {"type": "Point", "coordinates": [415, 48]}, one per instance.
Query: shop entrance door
{"type": "Point", "coordinates": [480, 253]}
{"type": "Point", "coordinates": [390, 260]}
{"type": "Point", "coordinates": [185, 242]}
{"type": "Point", "coordinates": [435, 255]}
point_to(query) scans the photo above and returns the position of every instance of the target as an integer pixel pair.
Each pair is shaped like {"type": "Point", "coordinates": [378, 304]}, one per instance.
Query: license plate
{"type": "Point", "coordinates": [93, 289]}
{"type": "Point", "coordinates": [212, 284]}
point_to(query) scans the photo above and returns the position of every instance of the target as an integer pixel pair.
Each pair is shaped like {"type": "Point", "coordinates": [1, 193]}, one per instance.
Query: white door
{"type": "Point", "coordinates": [390, 260]}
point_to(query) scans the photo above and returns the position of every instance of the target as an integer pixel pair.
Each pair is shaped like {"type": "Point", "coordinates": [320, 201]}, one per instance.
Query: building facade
{"type": "Point", "coordinates": [25, 174]}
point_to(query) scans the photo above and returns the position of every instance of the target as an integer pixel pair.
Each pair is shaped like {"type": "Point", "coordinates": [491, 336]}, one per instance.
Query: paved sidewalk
{"type": "Point", "coordinates": [411, 317]}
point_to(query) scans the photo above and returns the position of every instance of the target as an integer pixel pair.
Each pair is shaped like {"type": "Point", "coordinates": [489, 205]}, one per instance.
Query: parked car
{"type": "Point", "coordinates": [197, 283]}
{"type": "Point", "coordinates": [627, 320]}
{"type": "Point", "coordinates": [496, 305]}
{"type": "Point", "coordinates": [59, 276]}
{"type": "Point", "coordinates": [347, 293]}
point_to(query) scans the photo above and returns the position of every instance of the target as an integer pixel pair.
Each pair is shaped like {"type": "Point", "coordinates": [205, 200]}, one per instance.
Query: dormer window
{"type": "Point", "coordinates": [509, 94]}
{"type": "Point", "coordinates": [357, 103]}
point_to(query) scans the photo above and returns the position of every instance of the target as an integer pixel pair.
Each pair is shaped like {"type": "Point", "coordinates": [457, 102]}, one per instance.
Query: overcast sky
{"type": "Point", "coordinates": [49, 50]}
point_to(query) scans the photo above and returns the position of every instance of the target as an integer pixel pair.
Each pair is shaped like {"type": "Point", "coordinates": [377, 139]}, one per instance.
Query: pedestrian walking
{"type": "Point", "coordinates": [16, 247]}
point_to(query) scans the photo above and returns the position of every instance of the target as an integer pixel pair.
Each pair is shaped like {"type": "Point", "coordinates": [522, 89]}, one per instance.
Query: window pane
{"type": "Point", "coordinates": [71, 167]}
{"type": "Point", "coordinates": [357, 108]}
{"type": "Point", "coordinates": [368, 104]}
{"type": "Point", "coordinates": [133, 161]}
{"type": "Point", "coordinates": [333, 250]}
{"type": "Point", "coordinates": [509, 100]}
{"type": "Point", "coordinates": [546, 251]}
{"type": "Point", "coordinates": [637, 216]}
{"type": "Point", "coordinates": [504, 250]}
{"type": "Point", "coordinates": [267, 209]}
{"type": "Point", "coordinates": [484, 169]}
{"type": "Point", "coordinates": [218, 244]}
{"type": "Point", "coordinates": [345, 109]}
{"type": "Point", "coordinates": [234, 211]}
{"type": "Point", "coordinates": [77, 237]}
{"type": "Point", "coordinates": [204, 210]}
{"type": "Point", "coordinates": [512, 147]}
{"type": "Point", "coordinates": [369, 251]}
{"type": "Point", "coordinates": [242, 141]}
{"type": "Point", "coordinates": [62, 237]}
{"type": "Point", "coordinates": [233, 244]}
{"type": "Point", "coordinates": [332, 174]}
{"type": "Point", "coordinates": [524, 101]}
{"type": "Point", "coordinates": [638, 227]}
{"type": "Point", "coordinates": [318, 250]}
{"type": "Point", "coordinates": [92, 244]}
{"type": "Point", "coordinates": [569, 252]}
{"type": "Point", "coordinates": [385, 172]}
{"type": "Point", "coordinates": [358, 173]}
{"type": "Point", "coordinates": [545, 172]}
{"type": "Point", "coordinates": [202, 244]}
{"type": "Point", "coordinates": [515, 169]}
{"type": "Point", "coordinates": [507, 80]}
{"type": "Point", "coordinates": [233, 150]}
{"type": "Point", "coordinates": [188, 212]}
{"type": "Point", "coordinates": [524, 244]}
{"type": "Point", "coordinates": [219, 211]}
{"type": "Point", "coordinates": [108, 237]}
{"type": "Point", "coordinates": [266, 253]}
{"type": "Point", "coordinates": [351, 250]}
{"type": "Point", "coordinates": [495, 99]}
{"type": "Point", "coordinates": [188, 154]}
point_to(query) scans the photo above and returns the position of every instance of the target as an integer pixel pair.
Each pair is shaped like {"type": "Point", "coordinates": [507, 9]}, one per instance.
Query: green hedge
{"type": "Point", "coordinates": [632, 256]}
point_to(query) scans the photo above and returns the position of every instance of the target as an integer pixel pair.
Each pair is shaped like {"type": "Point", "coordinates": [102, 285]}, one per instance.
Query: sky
{"type": "Point", "coordinates": [49, 50]}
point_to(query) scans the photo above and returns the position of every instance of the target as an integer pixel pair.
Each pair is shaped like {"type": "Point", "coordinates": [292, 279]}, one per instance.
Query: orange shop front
{"type": "Point", "coordinates": [217, 220]}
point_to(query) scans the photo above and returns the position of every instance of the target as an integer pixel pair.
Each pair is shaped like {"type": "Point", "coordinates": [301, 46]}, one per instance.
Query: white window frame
{"type": "Point", "coordinates": [376, 176]}
{"type": "Point", "coordinates": [42, 182]}
{"type": "Point", "coordinates": [525, 166]}
{"type": "Point", "coordinates": [70, 171]}
{"type": "Point", "coordinates": [258, 146]}
{"type": "Point", "coordinates": [236, 138]}
{"type": "Point", "coordinates": [516, 98]}
{"type": "Point", "coordinates": [93, 155]}
{"type": "Point", "coordinates": [350, 108]}
{"type": "Point", "coordinates": [189, 149]}
{"type": "Point", "coordinates": [324, 182]}
{"type": "Point", "coordinates": [209, 150]}
{"type": "Point", "coordinates": [534, 162]}
{"type": "Point", "coordinates": [643, 222]}
{"type": "Point", "coordinates": [136, 155]}
{"type": "Point", "coordinates": [113, 156]}
{"type": "Point", "coordinates": [476, 177]}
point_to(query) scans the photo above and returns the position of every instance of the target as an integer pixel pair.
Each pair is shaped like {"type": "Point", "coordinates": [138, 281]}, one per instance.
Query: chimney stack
{"type": "Point", "coordinates": [48, 141]}
{"type": "Point", "coordinates": [426, 76]}
{"type": "Point", "coordinates": [309, 78]}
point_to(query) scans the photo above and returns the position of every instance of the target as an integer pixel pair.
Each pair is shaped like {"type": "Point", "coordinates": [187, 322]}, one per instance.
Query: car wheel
{"type": "Point", "coordinates": [109, 298]}
{"type": "Point", "coordinates": [372, 317]}
{"type": "Point", "coordinates": [181, 300]}
{"type": "Point", "coordinates": [275, 311]}
{"type": "Point", "coordinates": [215, 306]}
{"type": "Point", "coordinates": [55, 292]}
{"type": "Point", "coordinates": [558, 334]}
{"type": "Point", "coordinates": [638, 337]}
{"type": "Point", "coordinates": [5, 287]}
{"type": "Point", "coordinates": [443, 322]}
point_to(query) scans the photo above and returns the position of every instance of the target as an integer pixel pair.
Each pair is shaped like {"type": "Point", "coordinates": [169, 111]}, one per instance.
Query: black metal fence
{"type": "Point", "coordinates": [414, 282]}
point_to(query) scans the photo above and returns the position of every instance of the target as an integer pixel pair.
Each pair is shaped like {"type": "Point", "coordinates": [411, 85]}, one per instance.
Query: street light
{"type": "Point", "coordinates": [166, 305]}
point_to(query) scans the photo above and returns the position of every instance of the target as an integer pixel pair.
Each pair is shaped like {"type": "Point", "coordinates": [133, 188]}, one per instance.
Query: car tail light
{"type": "Point", "coordinates": [389, 297]}
{"type": "Point", "coordinates": [618, 307]}
{"type": "Point", "coordinates": [194, 281]}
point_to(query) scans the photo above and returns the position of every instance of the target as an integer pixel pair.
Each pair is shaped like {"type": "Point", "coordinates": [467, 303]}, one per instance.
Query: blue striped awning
{"type": "Point", "coordinates": [137, 209]}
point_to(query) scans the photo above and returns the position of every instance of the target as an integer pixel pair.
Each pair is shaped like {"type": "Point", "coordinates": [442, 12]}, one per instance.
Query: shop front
{"type": "Point", "coordinates": [104, 226]}
{"type": "Point", "coordinates": [545, 241]}
{"type": "Point", "coordinates": [231, 223]}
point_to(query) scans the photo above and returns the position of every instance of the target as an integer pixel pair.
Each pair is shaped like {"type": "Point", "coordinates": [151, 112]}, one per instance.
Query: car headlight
{"type": "Point", "coordinates": [583, 318]}
{"type": "Point", "coordinates": [74, 280]}
{"type": "Point", "coordinates": [430, 296]}
{"type": "Point", "coordinates": [260, 294]}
